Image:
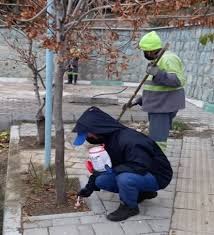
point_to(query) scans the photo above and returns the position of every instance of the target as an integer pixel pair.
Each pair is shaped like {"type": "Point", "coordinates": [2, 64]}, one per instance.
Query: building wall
{"type": "Point", "coordinates": [198, 60]}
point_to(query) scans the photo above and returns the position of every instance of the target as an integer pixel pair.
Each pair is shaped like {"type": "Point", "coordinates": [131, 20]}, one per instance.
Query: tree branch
{"type": "Point", "coordinates": [179, 16]}
{"type": "Point", "coordinates": [69, 7]}
{"type": "Point", "coordinates": [38, 14]}
{"type": "Point", "coordinates": [14, 28]}
{"type": "Point", "coordinates": [42, 68]}
{"type": "Point", "coordinates": [41, 80]}
{"type": "Point", "coordinates": [73, 23]}
{"type": "Point", "coordinates": [77, 7]}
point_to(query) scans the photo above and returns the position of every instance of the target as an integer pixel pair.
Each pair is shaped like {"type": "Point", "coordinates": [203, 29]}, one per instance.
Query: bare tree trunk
{"type": "Point", "coordinates": [40, 118]}
{"type": "Point", "coordinates": [59, 154]}
{"type": "Point", "coordinates": [36, 87]}
{"type": "Point", "coordinates": [58, 92]}
{"type": "Point", "coordinates": [40, 123]}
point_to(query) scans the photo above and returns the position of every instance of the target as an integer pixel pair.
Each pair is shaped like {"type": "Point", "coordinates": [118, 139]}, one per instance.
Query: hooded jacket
{"type": "Point", "coordinates": [129, 150]}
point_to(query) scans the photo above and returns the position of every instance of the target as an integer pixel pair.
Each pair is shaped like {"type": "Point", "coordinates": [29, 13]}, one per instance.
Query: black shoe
{"type": "Point", "coordinates": [146, 195]}
{"type": "Point", "coordinates": [122, 213]}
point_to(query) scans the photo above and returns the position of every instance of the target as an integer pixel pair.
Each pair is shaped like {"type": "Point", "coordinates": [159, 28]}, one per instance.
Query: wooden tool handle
{"type": "Point", "coordinates": [142, 82]}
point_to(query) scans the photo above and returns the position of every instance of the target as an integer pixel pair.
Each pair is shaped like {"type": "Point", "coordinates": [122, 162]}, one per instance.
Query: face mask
{"type": "Point", "coordinates": [148, 57]}
{"type": "Point", "coordinates": [97, 140]}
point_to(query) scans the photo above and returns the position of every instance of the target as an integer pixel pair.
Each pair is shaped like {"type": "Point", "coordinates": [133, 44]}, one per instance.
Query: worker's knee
{"type": "Point", "coordinates": [124, 179]}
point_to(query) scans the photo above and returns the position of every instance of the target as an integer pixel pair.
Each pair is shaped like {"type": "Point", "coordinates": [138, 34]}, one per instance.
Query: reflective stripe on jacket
{"type": "Point", "coordinates": [169, 63]}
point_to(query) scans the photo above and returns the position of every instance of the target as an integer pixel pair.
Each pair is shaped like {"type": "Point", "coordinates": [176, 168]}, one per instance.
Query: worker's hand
{"type": "Point", "coordinates": [108, 169]}
{"type": "Point", "coordinates": [84, 192]}
{"type": "Point", "coordinates": [152, 69]}
{"type": "Point", "coordinates": [128, 106]}
{"type": "Point", "coordinates": [138, 100]}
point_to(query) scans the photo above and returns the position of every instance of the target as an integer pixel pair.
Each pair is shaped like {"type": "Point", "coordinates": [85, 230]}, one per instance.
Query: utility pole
{"type": "Point", "coordinates": [48, 97]}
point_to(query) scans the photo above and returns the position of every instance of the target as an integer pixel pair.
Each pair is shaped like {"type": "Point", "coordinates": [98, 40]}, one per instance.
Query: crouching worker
{"type": "Point", "coordinates": [138, 166]}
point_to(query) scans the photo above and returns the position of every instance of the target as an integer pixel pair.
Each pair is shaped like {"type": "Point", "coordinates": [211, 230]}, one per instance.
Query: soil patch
{"type": "Point", "coordinates": [40, 196]}
{"type": "Point", "coordinates": [178, 130]}
{"type": "Point", "coordinates": [202, 134]}
{"type": "Point", "coordinates": [30, 142]}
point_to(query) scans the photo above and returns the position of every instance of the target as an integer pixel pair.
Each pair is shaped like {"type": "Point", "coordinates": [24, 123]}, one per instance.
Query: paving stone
{"type": "Point", "coordinates": [140, 216]}
{"type": "Point", "coordinates": [93, 219]}
{"type": "Point", "coordinates": [170, 187]}
{"type": "Point", "coordinates": [96, 206]}
{"type": "Point", "coordinates": [161, 225]}
{"type": "Point", "coordinates": [193, 220]}
{"type": "Point", "coordinates": [90, 100]}
{"type": "Point", "coordinates": [11, 232]}
{"type": "Point", "coordinates": [158, 212]}
{"type": "Point", "coordinates": [107, 229]}
{"type": "Point", "coordinates": [12, 223]}
{"type": "Point", "coordinates": [74, 159]}
{"type": "Point", "coordinates": [188, 186]}
{"type": "Point", "coordinates": [38, 224]}
{"type": "Point", "coordinates": [165, 194]}
{"type": "Point", "coordinates": [66, 221]}
{"type": "Point", "coordinates": [111, 206]}
{"type": "Point", "coordinates": [14, 133]}
{"type": "Point", "coordinates": [27, 129]}
{"type": "Point", "coordinates": [59, 216]}
{"type": "Point", "coordinates": [194, 201]}
{"type": "Point", "coordinates": [135, 227]}
{"type": "Point", "coordinates": [178, 232]}
{"type": "Point", "coordinates": [71, 171]}
{"type": "Point", "coordinates": [64, 230]}
{"type": "Point", "coordinates": [37, 231]}
{"type": "Point", "coordinates": [106, 196]}
{"type": "Point", "coordinates": [161, 233]}
{"type": "Point", "coordinates": [85, 230]}
{"type": "Point", "coordinates": [211, 202]}
{"type": "Point", "coordinates": [159, 202]}
{"type": "Point", "coordinates": [79, 165]}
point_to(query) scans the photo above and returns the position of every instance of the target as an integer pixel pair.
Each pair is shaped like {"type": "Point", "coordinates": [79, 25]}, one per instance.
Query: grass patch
{"type": "Point", "coordinates": [180, 126]}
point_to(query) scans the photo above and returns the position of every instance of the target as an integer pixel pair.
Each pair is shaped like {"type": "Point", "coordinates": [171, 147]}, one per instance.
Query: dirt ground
{"type": "Point", "coordinates": [40, 199]}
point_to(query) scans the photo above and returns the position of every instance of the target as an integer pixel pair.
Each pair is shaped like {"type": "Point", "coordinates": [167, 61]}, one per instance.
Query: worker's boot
{"type": "Point", "coordinates": [122, 213]}
{"type": "Point", "coordinates": [146, 195]}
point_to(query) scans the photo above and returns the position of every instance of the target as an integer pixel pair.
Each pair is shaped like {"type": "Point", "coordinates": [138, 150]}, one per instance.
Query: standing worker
{"type": "Point", "coordinates": [72, 71]}
{"type": "Point", "coordinates": [163, 91]}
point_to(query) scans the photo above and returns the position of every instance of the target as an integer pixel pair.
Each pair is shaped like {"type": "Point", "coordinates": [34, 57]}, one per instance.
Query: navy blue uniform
{"type": "Point", "coordinates": [135, 157]}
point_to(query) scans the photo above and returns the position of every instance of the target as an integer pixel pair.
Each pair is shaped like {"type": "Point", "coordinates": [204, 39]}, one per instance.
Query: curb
{"type": "Point", "coordinates": [208, 107]}
{"type": "Point", "coordinates": [81, 82]}
{"type": "Point", "coordinates": [12, 205]}
{"type": "Point", "coordinates": [108, 83]}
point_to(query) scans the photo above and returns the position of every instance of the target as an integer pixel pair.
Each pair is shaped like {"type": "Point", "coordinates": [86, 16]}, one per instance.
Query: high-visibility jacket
{"type": "Point", "coordinates": [165, 92]}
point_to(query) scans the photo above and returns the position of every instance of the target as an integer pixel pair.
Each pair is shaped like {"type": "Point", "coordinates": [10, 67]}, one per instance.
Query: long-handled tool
{"type": "Point", "coordinates": [127, 105]}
